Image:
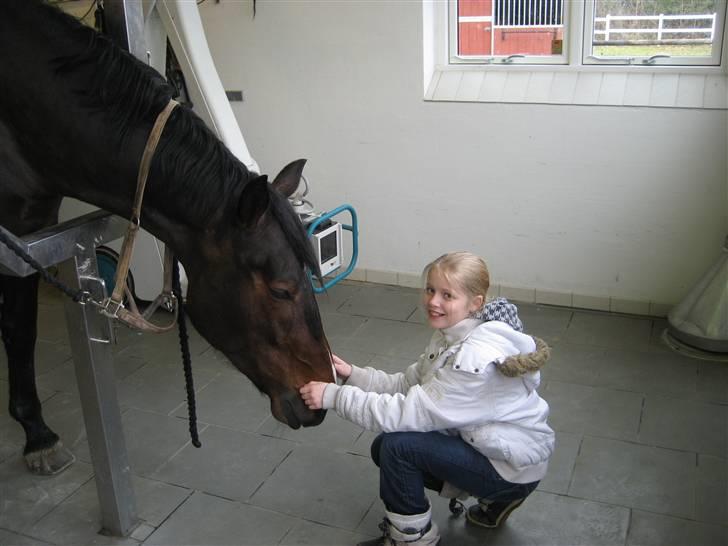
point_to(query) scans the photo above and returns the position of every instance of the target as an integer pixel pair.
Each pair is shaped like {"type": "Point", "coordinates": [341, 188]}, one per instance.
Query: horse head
{"type": "Point", "coordinates": [250, 296]}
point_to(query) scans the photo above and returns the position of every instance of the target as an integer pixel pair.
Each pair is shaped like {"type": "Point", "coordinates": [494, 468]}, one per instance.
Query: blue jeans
{"type": "Point", "coordinates": [410, 461]}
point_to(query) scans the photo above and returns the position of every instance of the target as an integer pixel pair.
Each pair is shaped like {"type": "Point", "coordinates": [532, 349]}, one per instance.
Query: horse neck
{"type": "Point", "coordinates": [176, 226]}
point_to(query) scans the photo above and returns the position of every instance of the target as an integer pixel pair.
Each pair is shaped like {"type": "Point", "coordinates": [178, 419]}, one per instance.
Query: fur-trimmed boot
{"type": "Point", "coordinates": [400, 530]}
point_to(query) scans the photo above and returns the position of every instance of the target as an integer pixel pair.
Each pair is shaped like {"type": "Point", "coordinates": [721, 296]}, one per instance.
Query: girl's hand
{"type": "Point", "coordinates": [313, 394]}
{"type": "Point", "coordinates": [343, 369]}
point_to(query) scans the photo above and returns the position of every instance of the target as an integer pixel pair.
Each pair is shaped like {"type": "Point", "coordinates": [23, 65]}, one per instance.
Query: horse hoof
{"type": "Point", "coordinates": [51, 461]}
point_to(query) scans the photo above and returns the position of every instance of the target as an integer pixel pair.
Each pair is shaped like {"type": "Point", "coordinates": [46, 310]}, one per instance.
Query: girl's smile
{"type": "Point", "coordinates": [447, 303]}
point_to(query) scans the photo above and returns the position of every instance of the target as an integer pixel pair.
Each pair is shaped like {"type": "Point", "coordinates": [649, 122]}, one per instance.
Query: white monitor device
{"type": "Point", "coordinates": [326, 242]}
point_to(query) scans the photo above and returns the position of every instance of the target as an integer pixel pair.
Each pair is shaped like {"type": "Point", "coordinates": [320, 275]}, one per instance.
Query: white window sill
{"type": "Point", "coordinates": [591, 86]}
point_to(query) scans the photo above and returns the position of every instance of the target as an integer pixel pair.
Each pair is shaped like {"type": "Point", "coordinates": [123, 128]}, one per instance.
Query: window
{"type": "Point", "coordinates": [621, 32]}
{"type": "Point", "coordinates": [646, 53]}
{"type": "Point", "coordinates": [508, 30]}
{"type": "Point", "coordinates": [654, 32]}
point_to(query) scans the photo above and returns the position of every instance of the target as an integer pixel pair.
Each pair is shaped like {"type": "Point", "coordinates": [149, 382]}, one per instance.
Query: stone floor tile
{"type": "Point", "coordinates": [605, 330]}
{"type": "Point", "coordinates": [153, 439]}
{"type": "Point", "coordinates": [339, 326]}
{"type": "Point", "coordinates": [335, 432]}
{"type": "Point", "coordinates": [685, 424]}
{"type": "Point", "coordinates": [337, 295]}
{"type": "Point", "coordinates": [25, 498]}
{"type": "Point", "coordinates": [711, 491]}
{"type": "Point", "coordinates": [548, 323]}
{"type": "Point", "coordinates": [588, 410]}
{"type": "Point", "coordinates": [230, 464]}
{"type": "Point", "coordinates": [362, 445]}
{"type": "Point", "coordinates": [159, 388]}
{"type": "Point", "coordinates": [392, 364]}
{"type": "Point", "coordinates": [212, 521]}
{"type": "Point", "coordinates": [712, 382]}
{"type": "Point", "coordinates": [647, 478]}
{"type": "Point", "coordinates": [321, 486]}
{"type": "Point", "coordinates": [648, 372]}
{"type": "Point", "coordinates": [316, 534]}
{"type": "Point", "coordinates": [580, 364]}
{"type": "Point", "coordinates": [391, 338]}
{"type": "Point", "coordinates": [648, 529]}
{"type": "Point", "coordinates": [8, 538]}
{"type": "Point", "coordinates": [379, 301]}
{"type": "Point", "coordinates": [561, 464]}
{"type": "Point", "coordinates": [77, 519]}
{"type": "Point", "coordinates": [230, 400]}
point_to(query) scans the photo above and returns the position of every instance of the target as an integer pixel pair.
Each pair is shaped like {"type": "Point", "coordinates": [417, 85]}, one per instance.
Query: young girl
{"type": "Point", "coordinates": [465, 418]}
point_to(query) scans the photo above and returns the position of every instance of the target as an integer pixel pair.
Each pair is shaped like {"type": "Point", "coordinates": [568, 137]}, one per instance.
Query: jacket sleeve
{"type": "Point", "coordinates": [447, 401]}
{"type": "Point", "coordinates": [370, 379]}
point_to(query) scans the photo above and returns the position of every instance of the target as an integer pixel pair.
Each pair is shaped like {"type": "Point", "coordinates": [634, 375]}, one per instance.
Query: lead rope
{"type": "Point", "coordinates": [186, 360]}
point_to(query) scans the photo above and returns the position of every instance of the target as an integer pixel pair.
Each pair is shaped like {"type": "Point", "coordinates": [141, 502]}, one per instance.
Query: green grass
{"type": "Point", "coordinates": [693, 50]}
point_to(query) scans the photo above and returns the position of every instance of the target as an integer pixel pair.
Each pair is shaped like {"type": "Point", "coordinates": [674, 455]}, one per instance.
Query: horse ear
{"type": "Point", "coordinates": [254, 201]}
{"type": "Point", "coordinates": [288, 179]}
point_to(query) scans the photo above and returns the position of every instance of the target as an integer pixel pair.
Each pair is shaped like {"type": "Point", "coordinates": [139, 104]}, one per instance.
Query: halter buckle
{"type": "Point", "coordinates": [111, 307]}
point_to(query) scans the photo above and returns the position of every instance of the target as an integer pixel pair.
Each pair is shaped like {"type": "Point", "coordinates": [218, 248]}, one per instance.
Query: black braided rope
{"type": "Point", "coordinates": [186, 360]}
{"type": "Point", "coordinates": [76, 295]}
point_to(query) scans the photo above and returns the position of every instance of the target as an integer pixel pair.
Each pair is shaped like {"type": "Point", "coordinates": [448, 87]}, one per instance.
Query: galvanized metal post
{"type": "Point", "coordinates": [73, 245]}
{"type": "Point", "coordinates": [90, 335]}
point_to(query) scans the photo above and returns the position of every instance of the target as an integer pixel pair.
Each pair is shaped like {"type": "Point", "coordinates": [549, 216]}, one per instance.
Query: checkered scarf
{"type": "Point", "coordinates": [500, 309]}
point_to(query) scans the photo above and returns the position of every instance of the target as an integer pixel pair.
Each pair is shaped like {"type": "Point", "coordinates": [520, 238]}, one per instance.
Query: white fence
{"type": "Point", "coordinates": [662, 34]}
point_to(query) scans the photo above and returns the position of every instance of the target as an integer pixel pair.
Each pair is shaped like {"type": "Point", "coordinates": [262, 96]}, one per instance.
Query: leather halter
{"type": "Point", "coordinates": [113, 305]}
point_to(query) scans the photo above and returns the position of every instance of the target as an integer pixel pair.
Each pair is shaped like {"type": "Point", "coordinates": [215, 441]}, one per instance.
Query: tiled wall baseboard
{"type": "Point", "coordinates": [528, 295]}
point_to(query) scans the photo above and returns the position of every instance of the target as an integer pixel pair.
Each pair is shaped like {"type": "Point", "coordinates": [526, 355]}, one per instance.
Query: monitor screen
{"type": "Point", "coordinates": [328, 247]}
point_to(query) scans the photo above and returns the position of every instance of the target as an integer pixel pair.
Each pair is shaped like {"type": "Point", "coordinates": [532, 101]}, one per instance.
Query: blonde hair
{"type": "Point", "coordinates": [465, 269]}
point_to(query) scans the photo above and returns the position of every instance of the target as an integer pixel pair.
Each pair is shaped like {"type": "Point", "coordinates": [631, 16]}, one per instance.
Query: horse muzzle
{"type": "Point", "coordinates": [291, 410]}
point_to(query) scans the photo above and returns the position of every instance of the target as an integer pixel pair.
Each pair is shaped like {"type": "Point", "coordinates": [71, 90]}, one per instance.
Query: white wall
{"type": "Point", "coordinates": [612, 202]}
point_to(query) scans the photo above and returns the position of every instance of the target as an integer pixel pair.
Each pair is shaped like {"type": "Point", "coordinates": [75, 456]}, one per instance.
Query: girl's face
{"type": "Point", "coordinates": [447, 304]}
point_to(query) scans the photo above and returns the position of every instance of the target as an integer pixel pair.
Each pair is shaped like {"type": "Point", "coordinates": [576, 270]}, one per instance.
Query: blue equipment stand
{"type": "Point", "coordinates": [354, 228]}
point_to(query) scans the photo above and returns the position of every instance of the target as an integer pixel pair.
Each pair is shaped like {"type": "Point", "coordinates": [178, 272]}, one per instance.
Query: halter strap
{"type": "Point", "coordinates": [113, 306]}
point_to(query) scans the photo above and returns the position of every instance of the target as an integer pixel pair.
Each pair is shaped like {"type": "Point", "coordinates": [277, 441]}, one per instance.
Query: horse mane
{"type": "Point", "coordinates": [208, 177]}
{"type": "Point", "coordinates": [129, 94]}
{"type": "Point", "coordinates": [294, 232]}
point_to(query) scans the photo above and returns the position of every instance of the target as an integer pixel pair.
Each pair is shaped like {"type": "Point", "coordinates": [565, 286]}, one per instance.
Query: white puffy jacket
{"type": "Point", "coordinates": [476, 379]}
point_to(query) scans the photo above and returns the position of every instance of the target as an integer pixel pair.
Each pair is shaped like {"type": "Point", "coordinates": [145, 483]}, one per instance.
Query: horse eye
{"type": "Point", "coordinates": [280, 294]}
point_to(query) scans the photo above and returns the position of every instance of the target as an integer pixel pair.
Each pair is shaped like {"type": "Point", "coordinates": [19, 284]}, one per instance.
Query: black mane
{"type": "Point", "coordinates": [130, 94]}
{"type": "Point", "coordinates": [207, 175]}
{"type": "Point", "coordinates": [294, 232]}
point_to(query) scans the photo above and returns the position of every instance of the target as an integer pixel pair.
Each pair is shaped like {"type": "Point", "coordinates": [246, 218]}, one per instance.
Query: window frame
{"type": "Point", "coordinates": [578, 23]}
{"type": "Point", "coordinates": [588, 29]}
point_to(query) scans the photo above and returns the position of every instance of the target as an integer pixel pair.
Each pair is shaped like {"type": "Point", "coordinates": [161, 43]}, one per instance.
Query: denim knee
{"type": "Point", "coordinates": [376, 447]}
{"type": "Point", "coordinates": [389, 443]}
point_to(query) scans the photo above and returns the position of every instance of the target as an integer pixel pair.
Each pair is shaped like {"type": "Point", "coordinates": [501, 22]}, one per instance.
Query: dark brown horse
{"type": "Point", "coordinates": [75, 113]}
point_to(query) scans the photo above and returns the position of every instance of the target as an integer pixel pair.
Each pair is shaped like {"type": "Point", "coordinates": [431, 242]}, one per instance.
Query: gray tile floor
{"type": "Point", "coordinates": [641, 458]}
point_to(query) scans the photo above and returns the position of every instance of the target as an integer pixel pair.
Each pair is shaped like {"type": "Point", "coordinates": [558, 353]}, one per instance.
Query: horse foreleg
{"type": "Point", "coordinates": [44, 453]}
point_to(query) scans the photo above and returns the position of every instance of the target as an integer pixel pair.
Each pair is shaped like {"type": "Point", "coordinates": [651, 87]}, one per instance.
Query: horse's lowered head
{"type": "Point", "coordinates": [249, 294]}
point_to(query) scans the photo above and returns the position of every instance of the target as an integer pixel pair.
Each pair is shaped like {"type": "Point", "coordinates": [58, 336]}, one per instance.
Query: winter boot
{"type": "Point", "coordinates": [400, 530]}
{"type": "Point", "coordinates": [491, 514]}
